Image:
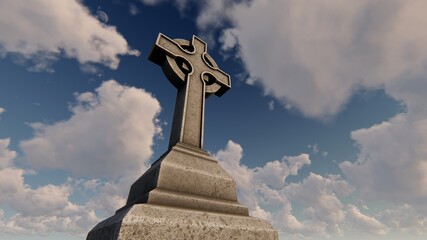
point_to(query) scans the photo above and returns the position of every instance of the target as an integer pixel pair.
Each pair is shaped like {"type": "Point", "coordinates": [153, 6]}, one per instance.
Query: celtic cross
{"type": "Point", "coordinates": [196, 75]}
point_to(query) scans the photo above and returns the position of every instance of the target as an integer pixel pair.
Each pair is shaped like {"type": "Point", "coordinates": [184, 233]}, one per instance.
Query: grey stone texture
{"type": "Point", "coordinates": [185, 194]}
{"type": "Point", "coordinates": [190, 178]}
{"type": "Point", "coordinates": [147, 221]}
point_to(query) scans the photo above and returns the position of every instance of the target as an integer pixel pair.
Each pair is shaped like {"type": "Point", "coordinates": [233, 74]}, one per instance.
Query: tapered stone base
{"type": "Point", "coordinates": [186, 177]}
{"type": "Point", "coordinates": [147, 221]}
{"type": "Point", "coordinates": [185, 194]}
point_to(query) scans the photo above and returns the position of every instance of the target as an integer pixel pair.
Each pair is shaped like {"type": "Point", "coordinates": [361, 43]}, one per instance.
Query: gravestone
{"type": "Point", "coordinates": [185, 194]}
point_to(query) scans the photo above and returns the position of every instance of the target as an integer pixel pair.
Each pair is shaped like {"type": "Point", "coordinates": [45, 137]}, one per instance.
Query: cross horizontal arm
{"type": "Point", "coordinates": [166, 46]}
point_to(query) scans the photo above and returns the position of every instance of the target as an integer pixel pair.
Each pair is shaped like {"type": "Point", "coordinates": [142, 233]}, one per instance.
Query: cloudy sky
{"type": "Point", "coordinates": [324, 129]}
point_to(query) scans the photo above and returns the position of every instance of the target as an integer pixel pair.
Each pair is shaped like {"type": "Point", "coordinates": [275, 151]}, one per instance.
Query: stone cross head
{"type": "Point", "coordinates": [196, 75]}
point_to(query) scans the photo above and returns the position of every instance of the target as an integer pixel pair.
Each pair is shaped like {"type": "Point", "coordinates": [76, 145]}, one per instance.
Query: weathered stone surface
{"type": "Point", "coordinates": [147, 221]}
{"type": "Point", "coordinates": [189, 67]}
{"type": "Point", "coordinates": [187, 178]}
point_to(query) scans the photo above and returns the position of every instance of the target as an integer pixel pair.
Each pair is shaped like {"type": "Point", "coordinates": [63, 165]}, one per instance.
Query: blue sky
{"type": "Point", "coordinates": [324, 128]}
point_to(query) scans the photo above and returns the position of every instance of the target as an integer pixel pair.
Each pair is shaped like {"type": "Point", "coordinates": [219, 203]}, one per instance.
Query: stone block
{"type": "Point", "coordinates": [190, 178]}
{"type": "Point", "coordinates": [148, 221]}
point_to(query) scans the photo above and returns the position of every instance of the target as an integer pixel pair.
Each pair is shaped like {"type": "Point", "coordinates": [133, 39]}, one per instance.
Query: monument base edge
{"type": "Point", "coordinates": [148, 221]}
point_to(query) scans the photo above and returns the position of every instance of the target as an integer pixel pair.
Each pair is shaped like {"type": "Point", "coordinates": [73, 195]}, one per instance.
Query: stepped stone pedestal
{"type": "Point", "coordinates": [185, 194]}
{"type": "Point", "coordinates": [205, 207]}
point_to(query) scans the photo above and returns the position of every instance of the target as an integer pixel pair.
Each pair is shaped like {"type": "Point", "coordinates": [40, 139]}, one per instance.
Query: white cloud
{"type": "Point", "coordinates": [271, 105]}
{"type": "Point", "coordinates": [6, 155]}
{"type": "Point", "coordinates": [40, 210]}
{"type": "Point", "coordinates": [133, 10]}
{"type": "Point", "coordinates": [45, 29]}
{"type": "Point", "coordinates": [110, 134]}
{"type": "Point", "coordinates": [263, 189]}
{"type": "Point", "coordinates": [214, 13]}
{"type": "Point", "coordinates": [248, 183]}
{"type": "Point", "coordinates": [274, 173]}
{"type": "Point", "coordinates": [228, 39]}
{"type": "Point", "coordinates": [392, 161]}
{"type": "Point", "coordinates": [406, 218]}
{"type": "Point", "coordinates": [314, 55]}
{"type": "Point", "coordinates": [391, 166]}
{"type": "Point", "coordinates": [364, 222]}
{"type": "Point", "coordinates": [2, 110]}
{"type": "Point", "coordinates": [315, 206]}
{"type": "Point", "coordinates": [324, 211]}
{"type": "Point", "coordinates": [110, 196]}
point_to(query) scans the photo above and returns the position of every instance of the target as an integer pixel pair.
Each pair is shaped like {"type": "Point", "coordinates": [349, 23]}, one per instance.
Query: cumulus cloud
{"type": "Point", "coordinates": [321, 197]}
{"type": "Point", "coordinates": [317, 206]}
{"type": "Point", "coordinates": [391, 165]}
{"type": "Point", "coordinates": [40, 210]}
{"type": "Point", "coordinates": [72, 31]}
{"type": "Point", "coordinates": [110, 195]}
{"type": "Point", "coordinates": [6, 155]}
{"type": "Point", "coordinates": [392, 161]}
{"type": "Point", "coordinates": [365, 223]}
{"type": "Point", "coordinates": [314, 55]}
{"type": "Point", "coordinates": [407, 218]}
{"type": "Point", "coordinates": [264, 188]}
{"type": "Point", "coordinates": [213, 13]}
{"type": "Point", "coordinates": [109, 135]}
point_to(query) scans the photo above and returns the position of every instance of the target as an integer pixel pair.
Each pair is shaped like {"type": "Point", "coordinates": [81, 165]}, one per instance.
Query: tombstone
{"type": "Point", "coordinates": [185, 194]}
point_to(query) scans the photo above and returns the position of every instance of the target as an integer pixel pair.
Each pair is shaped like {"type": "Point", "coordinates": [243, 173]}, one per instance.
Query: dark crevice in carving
{"type": "Point", "coordinates": [183, 65]}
